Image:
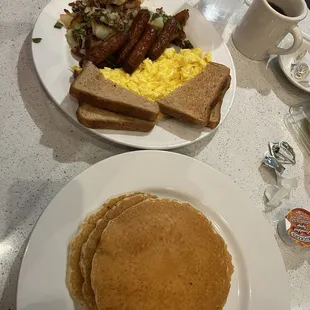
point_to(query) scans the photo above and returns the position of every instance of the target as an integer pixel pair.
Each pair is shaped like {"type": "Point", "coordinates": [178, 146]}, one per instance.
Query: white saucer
{"type": "Point", "coordinates": [285, 61]}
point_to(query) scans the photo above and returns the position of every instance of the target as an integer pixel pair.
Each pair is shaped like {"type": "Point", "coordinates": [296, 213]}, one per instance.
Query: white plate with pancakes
{"type": "Point", "coordinates": [53, 62]}
{"type": "Point", "coordinates": [259, 278]}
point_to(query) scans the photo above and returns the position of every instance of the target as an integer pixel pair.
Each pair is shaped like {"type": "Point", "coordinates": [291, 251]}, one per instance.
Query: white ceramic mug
{"type": "Point", "coordinates": [264, 26]}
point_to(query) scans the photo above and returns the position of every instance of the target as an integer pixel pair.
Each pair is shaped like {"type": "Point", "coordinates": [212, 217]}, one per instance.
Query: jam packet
{"type": "Point", "coordinates": [294, 229]}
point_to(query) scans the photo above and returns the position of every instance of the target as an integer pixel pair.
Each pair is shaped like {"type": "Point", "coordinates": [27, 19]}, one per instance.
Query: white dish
{"type": "Point", "coordinates": [53, 61]}
{"type": "Point", "coordinates": [259, 280]}
{"type": "Point", "coordinates": [285, 61]}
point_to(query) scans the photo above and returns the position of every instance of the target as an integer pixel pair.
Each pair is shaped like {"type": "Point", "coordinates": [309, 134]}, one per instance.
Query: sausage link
{"type": "Point", "coordinates": [135, 32]}
{"type": "Point", "coordinates": [182, 17]}
{"type": "Point", "coordinates": [104, 49]}
{"type": "Point", "coordinates": [169, 33]}
{"type": "Point", "coordinates": [140, 50]}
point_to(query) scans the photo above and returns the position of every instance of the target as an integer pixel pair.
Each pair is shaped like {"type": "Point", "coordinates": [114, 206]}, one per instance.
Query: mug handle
{"type": "Point", "coordinates": [298, 39]}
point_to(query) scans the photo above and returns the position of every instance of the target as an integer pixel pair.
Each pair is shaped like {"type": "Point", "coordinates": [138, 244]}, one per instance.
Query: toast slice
{"type": "Point", "coordinates": [95, 118]}
{"type": "Point", "coordinates": [92, 87]}
{"type": "Point", "coordinates": [193, 101]}
{"type": "Point", "coordinates": [215, 116]}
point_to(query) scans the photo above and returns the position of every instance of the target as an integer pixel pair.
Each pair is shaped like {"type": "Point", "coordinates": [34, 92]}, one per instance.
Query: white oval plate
{"type": "Point", "coordinates": [285, 61]}
{"type": "Point", "coordinates": [259, 280]}
{"type": "Point", "coordinates": [53, 61]}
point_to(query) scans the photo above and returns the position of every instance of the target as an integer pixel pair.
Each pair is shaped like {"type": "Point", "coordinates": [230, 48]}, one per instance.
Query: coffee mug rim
{"type": "Point", "coordinates": [288, 18]}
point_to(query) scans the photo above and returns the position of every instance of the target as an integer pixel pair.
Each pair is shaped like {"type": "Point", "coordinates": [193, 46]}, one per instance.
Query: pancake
{"type": "Point", "coordinates": [90, 246]}
{"type": "Point", "coordinates": [161, 254]}
{"type": "Point", "coordinates": [75, 278]}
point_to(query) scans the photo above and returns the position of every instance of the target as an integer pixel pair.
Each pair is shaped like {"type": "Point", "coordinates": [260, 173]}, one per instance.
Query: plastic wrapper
{"type": "Point", "coordinates": [280, 153]}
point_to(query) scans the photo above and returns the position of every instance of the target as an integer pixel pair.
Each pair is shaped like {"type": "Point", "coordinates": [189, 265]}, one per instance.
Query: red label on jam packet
{"type": "Point", "coordinates": [299, 226]}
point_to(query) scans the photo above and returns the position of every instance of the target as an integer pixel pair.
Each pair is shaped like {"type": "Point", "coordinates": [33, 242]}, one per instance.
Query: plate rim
{"type": "Point", "coordinates": [252, 209]}
{"type": "Point", "coordinates": [140, 146]}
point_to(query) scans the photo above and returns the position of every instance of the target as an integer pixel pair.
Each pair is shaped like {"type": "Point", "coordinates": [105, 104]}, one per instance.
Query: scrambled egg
{"type": "Point", "coordinates": [154, 80]}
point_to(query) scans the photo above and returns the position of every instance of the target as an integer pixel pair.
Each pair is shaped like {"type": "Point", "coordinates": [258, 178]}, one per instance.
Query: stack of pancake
{"type": "Point", "coordinates": [141, 252]}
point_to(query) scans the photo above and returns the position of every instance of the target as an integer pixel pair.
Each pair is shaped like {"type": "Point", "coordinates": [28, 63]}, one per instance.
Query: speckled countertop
{"type": "Point", "coordinates": [40, 150]}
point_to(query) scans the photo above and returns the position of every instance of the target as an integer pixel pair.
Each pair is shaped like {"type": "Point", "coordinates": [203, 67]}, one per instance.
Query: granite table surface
{"type": "Point", "coordinates": [41, 150]}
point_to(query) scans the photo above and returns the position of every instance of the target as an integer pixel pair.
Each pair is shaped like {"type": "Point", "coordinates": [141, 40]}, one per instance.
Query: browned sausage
{"type": "Point", "coordinates": [135, 32]}
{"type": "Point", "coordinates": [140, 50]}
{"type": "Point", "coordinates": [169, 33]}
{"type": "Point", "coordinates": [181, 35]}
{"type": "Point", "coordinates": [182, 17]}
{"type": "Point", "coordinates": [104, 49]}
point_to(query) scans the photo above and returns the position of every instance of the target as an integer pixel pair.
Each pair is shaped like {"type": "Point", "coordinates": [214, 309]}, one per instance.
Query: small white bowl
{"type": "Point", "coordinates": [285, 61]}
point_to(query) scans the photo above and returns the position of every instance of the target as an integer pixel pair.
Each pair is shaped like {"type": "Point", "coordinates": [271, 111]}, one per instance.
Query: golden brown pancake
{"type": "Point", "coordinates": [161, 254]}
{"type": "Point", "coordinates": [90, 246]}
{"type": "Point", "coordinates": [74, 275]}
